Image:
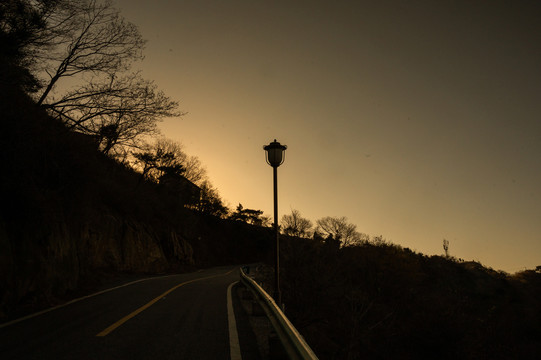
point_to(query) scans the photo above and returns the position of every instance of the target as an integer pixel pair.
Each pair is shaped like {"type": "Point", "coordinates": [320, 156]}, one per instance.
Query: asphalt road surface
{"type": "Point", "coordinates": [184, 316]}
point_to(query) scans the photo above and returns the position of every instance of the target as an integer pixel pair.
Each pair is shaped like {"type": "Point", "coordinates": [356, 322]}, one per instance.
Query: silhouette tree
{"type": "Point", "coordinates": [20, 22]}
{"type": "Point", "coordinates": [339, 229]}
{"type": "Point", "coordinates": [155, 164]}
{"type": "Point", "coordinates": [90, 43]}
{"type": "Point", "coordinates": [194, 170]}
{"type": "Point", "coordinates": [331, 243]}
{"type": "Point", "coordinates": [250, 216]}
{"type": "Point", "coordinates": [166, 152]}
{"type": "Point", "coordinates": [117, 111]}
{"type": "Point", "coordinates": [211, 202]}
{"type": "Point", "coordinates": [295, 225]}
{"type": "Point", "coordinates": [376, 240]}
{"type": "Point", "coordinates": [87, 37]}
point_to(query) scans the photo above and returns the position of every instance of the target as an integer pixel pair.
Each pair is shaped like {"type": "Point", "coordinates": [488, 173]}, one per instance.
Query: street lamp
{"type": "Point", "coordinates": [275, 157]}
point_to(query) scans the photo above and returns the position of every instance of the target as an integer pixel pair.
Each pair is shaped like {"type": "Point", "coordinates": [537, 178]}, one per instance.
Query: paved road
{"type": "Point", "coordinates": [172, 317]}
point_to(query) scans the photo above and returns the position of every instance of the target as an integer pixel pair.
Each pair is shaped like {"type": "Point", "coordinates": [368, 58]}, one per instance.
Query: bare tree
{"type": "Point", "coordinates": [86, 37]}
{"type": "Point", "coordinates": [89, 42]}
{"type": "Point", "coordinates": [117, 111]}
{"type": "Point", "coordinates": [295, 225]}
{"type": "Point", "coordinates": [339, 229]}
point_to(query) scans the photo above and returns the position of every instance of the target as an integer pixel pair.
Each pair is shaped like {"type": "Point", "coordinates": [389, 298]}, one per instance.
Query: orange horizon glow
{"type": "Point", "coordinates": [418, 122]}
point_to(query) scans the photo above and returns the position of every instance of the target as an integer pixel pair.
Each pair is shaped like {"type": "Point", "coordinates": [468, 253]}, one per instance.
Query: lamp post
{"type": "Point", "coordinates": [275, 157]}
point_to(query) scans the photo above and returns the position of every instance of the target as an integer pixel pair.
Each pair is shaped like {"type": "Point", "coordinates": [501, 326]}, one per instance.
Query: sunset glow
{"type": "Point", "coordinates": [418, 121]}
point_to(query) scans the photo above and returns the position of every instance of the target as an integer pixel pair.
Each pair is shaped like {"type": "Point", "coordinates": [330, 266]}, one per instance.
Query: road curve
{"type": "Point", "coordinates": [181, 316]}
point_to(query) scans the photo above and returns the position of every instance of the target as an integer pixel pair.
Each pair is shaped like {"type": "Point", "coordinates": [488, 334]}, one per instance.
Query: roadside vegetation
{"type": "Point", "coordinates": [376, 300]}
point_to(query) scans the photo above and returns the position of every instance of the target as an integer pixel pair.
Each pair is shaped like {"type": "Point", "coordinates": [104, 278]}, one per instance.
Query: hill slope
{"type": "Point", "coordinates": [384, 302]}
{"type": "Point", "coordinates": [69, 214]}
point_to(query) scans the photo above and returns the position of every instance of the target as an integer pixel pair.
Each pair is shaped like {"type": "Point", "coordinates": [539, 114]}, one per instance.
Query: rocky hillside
{"type": "Point", "coordinates": [69, 214]}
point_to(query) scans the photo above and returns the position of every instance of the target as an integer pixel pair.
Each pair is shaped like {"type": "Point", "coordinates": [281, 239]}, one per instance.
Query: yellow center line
{"type": "Point", "coordinates": [111, 328]}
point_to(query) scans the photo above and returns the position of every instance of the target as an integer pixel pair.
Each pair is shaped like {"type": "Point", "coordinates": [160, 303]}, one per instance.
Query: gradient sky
{"type": "Point", "coordinates": [418, 120]}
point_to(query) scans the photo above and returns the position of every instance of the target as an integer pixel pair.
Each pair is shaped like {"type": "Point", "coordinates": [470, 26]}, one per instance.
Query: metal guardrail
{"type": "Point", "coordinates": [291, 339]}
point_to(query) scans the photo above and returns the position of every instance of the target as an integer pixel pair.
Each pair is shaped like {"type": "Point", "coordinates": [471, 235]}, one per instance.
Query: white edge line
{"type": "Point", "coordinates": [234, 346]}
{"type": "Point", "coordinates": [76, 300]}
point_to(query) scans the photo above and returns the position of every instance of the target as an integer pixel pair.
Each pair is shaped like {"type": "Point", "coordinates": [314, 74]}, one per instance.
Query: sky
{"type": "Point", "coordinates": [418, 121]}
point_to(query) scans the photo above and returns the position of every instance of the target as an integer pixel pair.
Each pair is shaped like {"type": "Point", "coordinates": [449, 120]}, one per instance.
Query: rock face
{"type": "Point", "coordinates": [68, 212]}
{"type": "Point", "coordinates": [41, 263]}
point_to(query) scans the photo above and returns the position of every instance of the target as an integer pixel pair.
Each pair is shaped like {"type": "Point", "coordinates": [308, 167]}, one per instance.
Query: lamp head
{"type": "Point", "coordinates": [275, 153]}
